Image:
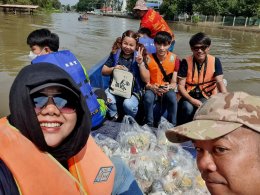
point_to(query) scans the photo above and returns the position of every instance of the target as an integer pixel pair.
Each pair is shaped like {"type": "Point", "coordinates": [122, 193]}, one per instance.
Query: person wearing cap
{"type": "Point", "coordinates": [153, 21]}
{"type": "Point", "coordinates": [226, 134]}
{"type": "Point", "coordinates": [200, 76]}
{"type": "Point", "coordinates": [45, 142]}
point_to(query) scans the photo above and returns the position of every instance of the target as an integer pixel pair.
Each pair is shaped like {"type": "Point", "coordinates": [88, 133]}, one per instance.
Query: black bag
{"type": "Point", "coordinates": [167, 78]}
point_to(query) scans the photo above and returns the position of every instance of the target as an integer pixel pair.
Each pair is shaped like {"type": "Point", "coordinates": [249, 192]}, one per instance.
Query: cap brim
{"type": "Point", "coordinates": [142, 9]}
{"type": "Point", "coordinates": [40, 87]}
{"type": "Point", "coordinates": [200, 130]}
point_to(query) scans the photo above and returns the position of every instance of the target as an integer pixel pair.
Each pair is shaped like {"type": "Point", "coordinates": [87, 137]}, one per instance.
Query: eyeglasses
{"type": "Point", "coordinates": [65, 104]}
{"type": "Point", "coordinates": [197, 48]}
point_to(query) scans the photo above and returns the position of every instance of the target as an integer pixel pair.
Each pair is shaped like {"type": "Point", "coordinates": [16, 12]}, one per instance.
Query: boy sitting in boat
{"type": "Point", "coordinates": [163, 67]}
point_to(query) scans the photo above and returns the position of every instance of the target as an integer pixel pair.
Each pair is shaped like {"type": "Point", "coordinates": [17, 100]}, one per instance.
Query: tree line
{"type": "Point", "coordinates": [89, 5]}
{"type": "Point", "coordinates": [170, 8]}
{"type": "Point", "coordinates": [46, 4]}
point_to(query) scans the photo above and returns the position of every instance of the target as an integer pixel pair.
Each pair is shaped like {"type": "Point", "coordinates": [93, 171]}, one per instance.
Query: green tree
{"type": "Point", "coordinates": [130, 5]}
{"type": "Point", "coordinates": [68, 8]}
{"type": "Point", "coordinates": [246, 8]}
{"type": "Point", "coordinates": [208, 7]}
{"type": "Point", "coordinates": [56, 4]}
{"type": "Point", "coordinates": [169, 9]}
{"type": "Point", "coordinates": [88, 5]}
{"type": "Point", "coordinates": [49, 4]}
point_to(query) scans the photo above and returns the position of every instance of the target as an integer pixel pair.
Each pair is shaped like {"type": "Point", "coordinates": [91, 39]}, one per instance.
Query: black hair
{"type": "Point", "coordinates": [44, 37]}
{"type": "Point", "coordinates": [145, 31]}
{"type": "Point", "coordinates": [163, 37]}
{"type": "Point", "coordinates": [200, 38]}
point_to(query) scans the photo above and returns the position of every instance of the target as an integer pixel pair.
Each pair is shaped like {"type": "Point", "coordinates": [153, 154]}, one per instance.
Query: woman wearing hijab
{"type": "Point", "coordinates": [45, 146]}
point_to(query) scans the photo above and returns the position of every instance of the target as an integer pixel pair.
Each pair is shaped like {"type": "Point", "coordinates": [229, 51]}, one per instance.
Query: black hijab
{"type": "Point", "coordinates": [23, 117]}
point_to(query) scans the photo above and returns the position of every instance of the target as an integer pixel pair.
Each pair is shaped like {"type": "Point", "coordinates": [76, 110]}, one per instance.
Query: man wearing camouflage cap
{"type": "Point", "coordinates": [226, 134]}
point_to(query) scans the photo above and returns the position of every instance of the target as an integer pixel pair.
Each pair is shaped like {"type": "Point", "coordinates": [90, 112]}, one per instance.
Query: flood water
{"type": "Point", "coordinates": [91, 40]}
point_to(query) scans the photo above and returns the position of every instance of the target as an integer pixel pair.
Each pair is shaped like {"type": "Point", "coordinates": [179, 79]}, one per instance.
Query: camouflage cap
{"type": "Point", "coordinates": [220, 115]}
{"type": "Point", "coordinates": [140, 5]}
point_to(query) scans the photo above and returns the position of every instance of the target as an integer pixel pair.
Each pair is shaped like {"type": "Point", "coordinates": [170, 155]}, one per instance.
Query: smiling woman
{"type": "Point", "coordinates": [56, 111]}
{"type": "Point", "coordinates": [49, 126]}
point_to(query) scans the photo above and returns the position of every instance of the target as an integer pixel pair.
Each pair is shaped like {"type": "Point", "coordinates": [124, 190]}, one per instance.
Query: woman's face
{"type": "Point", "coordinates": [128, 45]}
{"type": "Point", "coordinates": [56, 113]}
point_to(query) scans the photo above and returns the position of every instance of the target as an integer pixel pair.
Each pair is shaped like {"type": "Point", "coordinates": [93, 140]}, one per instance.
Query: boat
{"type": "Point", "coordinates": [83, 17]}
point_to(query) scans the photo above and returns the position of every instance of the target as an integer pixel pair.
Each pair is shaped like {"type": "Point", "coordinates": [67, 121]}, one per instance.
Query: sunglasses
{"type": "Point", "coordinates": [197, 48]}
{"type": "Point", "coordinates": [65, 104]}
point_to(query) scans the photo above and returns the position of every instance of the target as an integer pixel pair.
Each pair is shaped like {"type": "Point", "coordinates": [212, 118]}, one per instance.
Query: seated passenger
{"type": "Point", "coordinates": [199, 77]}
{"type": "Point", "coordinates": [163, 67]}
{"type": "Point", "coordinates": [127, 54]}
{"type": "Point", "coordinates": [146, 40]}
{"type": "Point", "coordinates": [45, 143]}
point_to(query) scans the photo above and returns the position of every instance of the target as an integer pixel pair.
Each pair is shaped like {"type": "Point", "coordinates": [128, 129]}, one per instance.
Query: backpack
{"type": "Point", "coordinates": [68, 62]}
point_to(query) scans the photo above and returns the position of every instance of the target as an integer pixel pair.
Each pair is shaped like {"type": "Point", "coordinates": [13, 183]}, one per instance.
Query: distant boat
{"type": "Point", "coordinates": [83, 17]}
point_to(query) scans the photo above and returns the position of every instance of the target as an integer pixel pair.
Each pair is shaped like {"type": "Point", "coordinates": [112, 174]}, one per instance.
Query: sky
{"type": "Point", "coordinates": [71, 2]}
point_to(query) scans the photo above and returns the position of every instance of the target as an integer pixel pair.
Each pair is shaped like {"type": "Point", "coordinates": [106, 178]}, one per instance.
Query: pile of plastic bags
{"type": "Point", "coordinates": [160, 167]}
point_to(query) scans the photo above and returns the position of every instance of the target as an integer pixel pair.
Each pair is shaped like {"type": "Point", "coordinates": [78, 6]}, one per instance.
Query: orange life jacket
{"type": "Point", "coordinates": [155, 23]}
{"type": "Point", "coordinates": [37, 172]}
{"type": "Point", "coordinates": [156, 76]}
{"type": "Point", "coordinates": [205, 79]}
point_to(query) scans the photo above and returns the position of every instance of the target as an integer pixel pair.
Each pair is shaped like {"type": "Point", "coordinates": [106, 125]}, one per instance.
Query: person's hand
{"type": "Point", "coordinates": [122, 67]}
{"type": "Point", "coordinates": [196, 102]}
{"type": "Point", "coordinates": [163, 89]}
{"type": "Point", "coordinates": [139, 57]}
{"type": "Point", "coordinates": [154, 88]}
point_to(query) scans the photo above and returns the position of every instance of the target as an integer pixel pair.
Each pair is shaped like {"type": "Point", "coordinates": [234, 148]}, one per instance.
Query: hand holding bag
{"type": "Point", "coordinates": [122, 83]}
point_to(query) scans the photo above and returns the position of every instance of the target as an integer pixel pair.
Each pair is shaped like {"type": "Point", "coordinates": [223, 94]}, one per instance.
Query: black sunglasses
{"type": "Point", "coordinates": [65, 103]}
{"type": "Point", "coordinates": [197, 48]}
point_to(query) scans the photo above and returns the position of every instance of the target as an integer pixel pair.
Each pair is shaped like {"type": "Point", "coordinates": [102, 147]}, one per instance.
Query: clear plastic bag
{"type": "Point", "coordinates": [160, 167]}
{"type": "Point", "coordinates": [135, 138]}
{"type": "Point", "coordinates": [160, 133]}
{"type": "Point", "coordinates": [144, 169]}
{"type": "Point", "coordinates": [109, 146]}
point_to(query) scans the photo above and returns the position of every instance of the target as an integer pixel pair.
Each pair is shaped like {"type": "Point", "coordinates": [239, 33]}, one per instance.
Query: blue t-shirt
{"type": "Point", "coordinates": [127, 62]}
{"type": "Point", "coordinates": [148, 44]}
{"type": "Point", "coordinates": [7, 182]}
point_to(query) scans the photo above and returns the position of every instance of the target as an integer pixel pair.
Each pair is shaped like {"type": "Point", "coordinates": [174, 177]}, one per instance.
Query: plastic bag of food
{"type": "Point", "coordinates": [144, 169]}
{"type": "Point", "coordinates": [160, 132]}
{"type": "Point", "coordinates": [108, 145]}
{"type": "Point", "coordinates": [134, 138]}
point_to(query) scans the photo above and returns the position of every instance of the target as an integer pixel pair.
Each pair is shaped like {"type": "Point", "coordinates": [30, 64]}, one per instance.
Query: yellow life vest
{"type": "Point", "coordinates": [205, 79]}
{"type": "Point", "coordinates": [37, 172]}
{"type": "Point", "coordinates": [156, 76]}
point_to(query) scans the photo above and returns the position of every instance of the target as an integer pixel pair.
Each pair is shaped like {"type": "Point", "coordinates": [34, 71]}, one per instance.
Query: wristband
{"type": "Point", "coordinates": [142, 64]}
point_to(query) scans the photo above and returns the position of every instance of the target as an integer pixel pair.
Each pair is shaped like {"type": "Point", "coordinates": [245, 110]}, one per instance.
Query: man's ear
{"type": "Point", "coordinates": [47, 49]}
